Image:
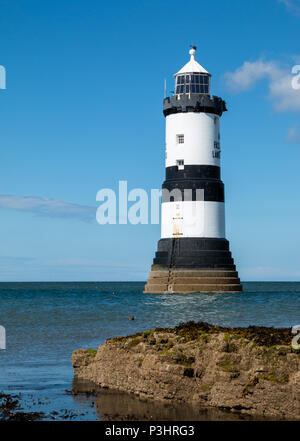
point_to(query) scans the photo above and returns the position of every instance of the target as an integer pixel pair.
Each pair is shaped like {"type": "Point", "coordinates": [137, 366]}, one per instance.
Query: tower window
{"type": "Point", "coordinates": [180, 164]}
{"type": "Point", "coordinates": [180, 139]}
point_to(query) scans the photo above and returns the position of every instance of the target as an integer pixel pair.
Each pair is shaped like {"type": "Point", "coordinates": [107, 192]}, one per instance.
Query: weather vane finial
{"type": "Point", "coordinates": [192, 51]}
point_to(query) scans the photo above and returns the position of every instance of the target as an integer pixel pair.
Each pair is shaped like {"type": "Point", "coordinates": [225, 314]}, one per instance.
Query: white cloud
{"type": "Point", "coordinates": [245, 76]}
{"type": "Point", "coordinates": [292, 6]}
{"type": "Point", "coordinates": [283, 96]}
{"type": "Point", "coordinates": [47, 207]}
{"type": "Point", "coordinates": [293, 136]}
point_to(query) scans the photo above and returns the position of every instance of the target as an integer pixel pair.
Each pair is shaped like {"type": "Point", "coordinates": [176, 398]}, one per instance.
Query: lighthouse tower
{"type": "Point", "coordinates": [193, 254]}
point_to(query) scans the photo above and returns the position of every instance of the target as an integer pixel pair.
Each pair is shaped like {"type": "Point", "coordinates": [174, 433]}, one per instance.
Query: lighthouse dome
{"type": "Point", "coordinates": [192, 77]}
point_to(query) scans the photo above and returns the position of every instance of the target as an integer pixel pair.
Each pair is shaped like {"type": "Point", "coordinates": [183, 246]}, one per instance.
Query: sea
{"type": "Point", "coordinates": [46, 322]}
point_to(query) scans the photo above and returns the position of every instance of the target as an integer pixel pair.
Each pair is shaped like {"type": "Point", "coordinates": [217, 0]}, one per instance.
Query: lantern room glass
{"type": "Point", "coordinates": [192, 83]}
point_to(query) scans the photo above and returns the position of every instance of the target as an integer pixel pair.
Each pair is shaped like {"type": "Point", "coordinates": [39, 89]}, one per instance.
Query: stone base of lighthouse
{"type": "Point", "coordinates": [187, 265]}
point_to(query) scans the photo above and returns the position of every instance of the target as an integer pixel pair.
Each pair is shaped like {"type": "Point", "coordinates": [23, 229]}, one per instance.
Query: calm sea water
{"type": "Point", "coordinates": [45, 322]}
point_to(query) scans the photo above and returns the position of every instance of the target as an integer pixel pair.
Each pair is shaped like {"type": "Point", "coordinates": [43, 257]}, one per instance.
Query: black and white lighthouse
{"type": "Point", "coordinates": [193, 254]}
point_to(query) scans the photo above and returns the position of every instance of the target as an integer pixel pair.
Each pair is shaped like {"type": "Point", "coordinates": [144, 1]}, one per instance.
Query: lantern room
{"type": "Point", "coordinates": [192, 78]}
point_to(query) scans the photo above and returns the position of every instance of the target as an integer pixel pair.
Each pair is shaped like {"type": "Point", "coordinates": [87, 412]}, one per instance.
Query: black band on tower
{"type": "Point", "coordinates": [193, 172]}
{"type": "Point", "coordinates": [194, 103]}
{"type": "Point", "coordinates": [213, 189]}
{"type": "Point", "coordinates": [194, 252]}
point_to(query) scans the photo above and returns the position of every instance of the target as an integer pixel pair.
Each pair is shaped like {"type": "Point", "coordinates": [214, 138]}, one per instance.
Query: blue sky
{"type": "Point", "coordinates": [83, 110]}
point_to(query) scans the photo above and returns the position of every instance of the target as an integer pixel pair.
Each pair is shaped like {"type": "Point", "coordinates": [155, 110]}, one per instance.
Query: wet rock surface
{"type": "Point", "coordinates": [251, 371]}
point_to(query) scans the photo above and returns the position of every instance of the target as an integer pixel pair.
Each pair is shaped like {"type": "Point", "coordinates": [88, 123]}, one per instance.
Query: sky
{"type": "Point", "coordinates": [82, 110]}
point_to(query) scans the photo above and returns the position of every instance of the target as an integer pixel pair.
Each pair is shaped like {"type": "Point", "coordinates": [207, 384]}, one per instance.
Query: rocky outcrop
{"type": "Point", "coordinates": [251, 370]}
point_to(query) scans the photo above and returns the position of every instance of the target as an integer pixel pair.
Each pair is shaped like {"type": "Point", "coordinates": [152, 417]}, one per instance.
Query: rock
{"type": "Point", "coordinates": [249, 370]}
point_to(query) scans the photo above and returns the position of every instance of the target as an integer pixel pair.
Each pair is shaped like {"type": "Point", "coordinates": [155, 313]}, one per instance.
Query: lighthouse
{"type": "Point", "coordinates": [193, 253]}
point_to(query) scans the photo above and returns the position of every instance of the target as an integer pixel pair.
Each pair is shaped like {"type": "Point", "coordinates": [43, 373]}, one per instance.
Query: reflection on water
{"type": "Point", "coordinates": [120, 406]}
